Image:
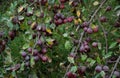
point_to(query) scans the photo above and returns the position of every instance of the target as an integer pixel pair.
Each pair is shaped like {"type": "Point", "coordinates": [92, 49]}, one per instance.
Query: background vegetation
{"type": "Point", "coordinates": [60, 39]}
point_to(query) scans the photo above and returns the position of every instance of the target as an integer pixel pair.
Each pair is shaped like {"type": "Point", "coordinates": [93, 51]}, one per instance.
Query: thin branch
{"type": "Point", "coordinates": [115, 66]}
{"type": "Point", "coordinates": [105, 36]}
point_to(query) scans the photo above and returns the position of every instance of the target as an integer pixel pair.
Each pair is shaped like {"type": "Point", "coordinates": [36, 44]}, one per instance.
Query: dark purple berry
{"type": "Point", "coordinates": [98, 68]}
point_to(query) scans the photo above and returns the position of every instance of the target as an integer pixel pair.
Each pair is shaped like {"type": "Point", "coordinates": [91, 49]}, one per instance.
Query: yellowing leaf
{"type": "Point", "coordinates": [75, 21]}
{"type": "Point", "coordinates": [95, 3]}
{"type": "Point", "coordinates": [80, 20]}
{"type": "Point", "coordinates": [78, 13]}
{"type": "Point", "coordinates": [50, 41]}
{"type": "Point", "coordinates": [20, 9]}
{"type": "Point", "coordinates": [93, 25]}
{"type": "Point", "coordinates": [70, 2]}
{"type": "Point", "coordinates": [48, 31]}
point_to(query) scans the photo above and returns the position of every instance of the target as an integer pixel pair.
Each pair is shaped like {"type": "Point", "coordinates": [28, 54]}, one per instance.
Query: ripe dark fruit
{"type": "Point", "coordinates": [58, 15]}
{"type": "Point", "coordinates": [27, 63]}
{"type": "Point", "coordinates": [72, 55]}
{"type": "Point", "coordinates": [88, 39]}
{"type": "Point", "coordinates": [95, 29]}
{"type": "Point", "coordinates": [29, 22]}
{"type": "Point", "coordinates": [24, 54]}
{"type": "Point", "coordinates": [89, 31]}
{"type": "Point", "coordinates": [108, 8]}
{"type": "Point", "coordinates": [74, 3]}
{"type": "Point", "coordinates": [82, 48]}
{"type": "Point", "coordinates": [103, 19]}
{"type": "Point", "coordinates": [62, 1]}
{"type": "Point", "coordinates": [117, 24]}
{"type": "Point", "coordinates": [116, 74]}
{"type": "Point", "coordinates": [85, 29]}
{"type": "Point", "coordinates": [98, 68]}
{"type": "Point", "coordinates": [29, 14]}
{"type": "Point", "coordinates": [87, 47]}
{"type": "Point", "coordinates": [95, 44]}
{"type": "Point", "coordinates": [44, 28]}
{"type": "Point", "coordinates": [44, 58]}
{"type": "Point", "coordinates": [62, 6]}
{"type": "Point", "coordinates": [70, 19]}
{"type": "Point", "coordinates": [43, 2]}
{"type": "Point", "coordinates": [11, 34]}
{"type": "Point", "coordinates": [3, 42]}
{"type": "Point", "coordinates": [41, 14]}
{"type": "Point", "coordinates": [36, 58]}
{"type": "Point", "coordinates": [85, 24]}
{"type": "Point", "coordinates": [65, 20]}
{"type": "Point", "coordinates": [59, 21]}
{"type": "Point", "coordinates": [71, 75]}
{"type": "Point", "coordinates": [1, 34]}
{"type": "Point", "coordinates": [27, 58]}
{"type": "Point", "coordinates": [44, 50]}
{"type": "Point", "coordinates": [81, 70]}
{"type": "Point", "coordinates": [31, 0]}
{"type": "Point", "coordinates": [34, 36]}
{"type": "Point", "coordinates": [35, 52]}
{"type": "Point", "coordinates": [39, 42]}
{"type": "Point", "coordinates": [29, 50]}
{"type": "Point", "coordinates": [15, 20]}
{"type": "Point", "coordinates": [118, 40]}
{"type": "Point", "coordinates": [105, 68]}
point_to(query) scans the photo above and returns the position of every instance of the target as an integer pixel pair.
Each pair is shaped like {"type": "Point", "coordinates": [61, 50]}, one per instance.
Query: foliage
{"type": "Point", "coordinates": [60, 38]}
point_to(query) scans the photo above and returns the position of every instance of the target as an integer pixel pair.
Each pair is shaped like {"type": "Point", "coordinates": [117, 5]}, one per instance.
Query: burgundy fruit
{"type": "Point", "coordinates": [108, 8]}
{"type": "Point", "coordinates": [116, 74]}
{"type": "Point", "coordinates": [29, 50]}
{"type": "Point", "coordinates": [95, 44]}
{"type": "Point", "coordinates": [44, 50]}
{"type": "Point", "coordinates": [103, 19]}
{"type": "Point", "coordinates": [95, 29]}
{"type": "Point", "coordinates": [36, 58]}
{"type": "Point", "coordinates": [71, 75]}
{"type": "Point", "coordinates": [105, 68]}
{"type": "Point", "coordinates": [35, 52]}
{"type": "Point", "coordinates": [24, 54]}
{"type": "Point", "coordinates": [44, 58]}
{"type": "Point", "coordinates": [39, 42]}
{"type": "Point", "coordinates": [82, 70]}
{"type": "Point", "coordinates": [89, 31]}
{"type": "Point", "coordinates": [98, 68]}
{"type": "Point", "coordinates": [85, 24]}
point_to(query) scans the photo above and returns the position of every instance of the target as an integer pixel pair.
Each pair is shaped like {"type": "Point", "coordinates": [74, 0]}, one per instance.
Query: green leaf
{"type": "Point", "coordinates": [73, 69]}
{"type": "Point", "coordinates": [102, 73]}
{"type": "Point", "coordinates": [65, 35]}
{"type": "Point", "coordinates": [29, 10]}
{"type": "Point", "coordinates": [32, 62]}
{"type": "Point", "coordinates": [113, 44]}
{"type": "Point", "coordinates": [10, 25]}
{"type": "Point", "coordinates": [20, 18]}
{"type": "Point", "coordinates": [98, 60]}
{"type": "Point", "coordinates": [22, 66]}
{"type": "Point", "coordinates": [99, 46]}
{"type": "Point", "coordinates": [83, 57]}
{"type": "Point", "coordinates": [109, 54]}
{"type": "Point", "coordinates": [68, 45]}
{"type": "Point", "coordinates": [48, 19]}
{"type": "Point", "coordinates": [25, 46]}
{"type": "Point", "coordinates": [91, 61]}
{"type": "Point", "coordinates": [71, 60]}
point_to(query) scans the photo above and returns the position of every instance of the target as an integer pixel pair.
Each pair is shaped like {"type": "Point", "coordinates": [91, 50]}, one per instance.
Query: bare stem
{"type": "Point", "coordinates": [115, 66]}
{"type": "Point", "coordinates": [105, 36]}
